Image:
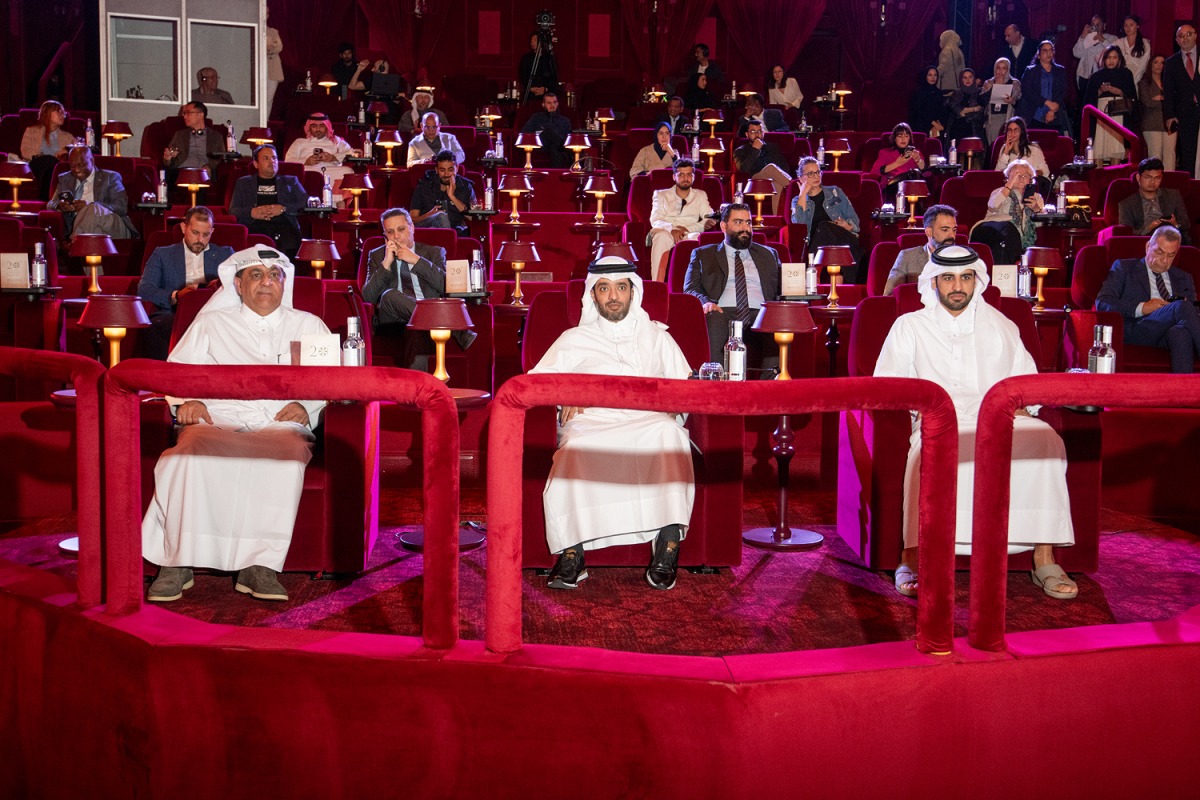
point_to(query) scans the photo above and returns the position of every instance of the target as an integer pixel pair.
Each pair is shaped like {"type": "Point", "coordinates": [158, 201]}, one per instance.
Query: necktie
{"type": "Point", "coordinates": [742, 297]}
{"type": "Point", "coordinates": [406, 281]}
{"type": "Point", "coordinates": [1161, 285]}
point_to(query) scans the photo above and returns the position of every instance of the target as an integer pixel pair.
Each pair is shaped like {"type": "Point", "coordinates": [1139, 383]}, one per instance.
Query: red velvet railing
{"type": "Point", "coordinates": [439, 426]}
{"type": "Point", "coordinates": [939, 436]}
{"type": "Point", "coordinates": [85, 375]}
{"type": "Point", "coordinates": [1135, 147]}
{"type": "Point", "coordinates": [993, 461]}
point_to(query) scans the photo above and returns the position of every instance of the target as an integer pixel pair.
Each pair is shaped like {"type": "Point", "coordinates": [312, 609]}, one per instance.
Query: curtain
{"type": "Point", "coordinates": [309, 33]}
{"type": "Point", "coordinates": [770, 32]}
{"type": "Point", "coordinates": [409, 41]}
{"type": "Point", "coordinates": [873, 50]}
{"type": "Point", "coordinates": [660, 51]}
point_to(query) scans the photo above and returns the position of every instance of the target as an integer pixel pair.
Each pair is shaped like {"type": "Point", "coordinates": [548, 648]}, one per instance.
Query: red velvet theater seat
{"type": "Point", "coordinates": [714, 535]}
{"type": "Point", "coordinates": [873, 449]}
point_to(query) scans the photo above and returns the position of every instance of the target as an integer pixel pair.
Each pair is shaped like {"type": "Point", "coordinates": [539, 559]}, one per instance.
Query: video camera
{"type": "Point", "coordinates": [546, 22]}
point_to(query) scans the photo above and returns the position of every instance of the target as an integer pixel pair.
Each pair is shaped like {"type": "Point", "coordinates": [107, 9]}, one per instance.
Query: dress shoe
{"type": "Point", "coordinates": [260, 582]}
{"type": "Point", "coordinates": [169, 584]}
{"type": "Point", "coordinates": [569, 571]}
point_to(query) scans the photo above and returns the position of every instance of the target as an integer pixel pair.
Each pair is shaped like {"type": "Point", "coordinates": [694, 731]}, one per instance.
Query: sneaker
{"type": "Point", "coordinates": [260, 582]}
{"type": "Point", "coordinates": [569, 571]}
{"type": "Point", "coordinates": [169, 584]}
{"type": "Point", "coordinates": [661, 572]}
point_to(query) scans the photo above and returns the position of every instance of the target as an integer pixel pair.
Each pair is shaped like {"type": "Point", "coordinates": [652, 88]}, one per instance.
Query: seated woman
{"type": "Point", "coordinates": [1110, 89]}
{"type": "Point", "coordinates": [927, 105]}
{"type": "Point", "coordinates": [966, 110]}
{"type": "Point", "coordinates": [43, 144]}
{"type": "Point", "coordinates": [828, 214]}
{"type": "Point", "coordinates": [783, 91]}
{"type": "Point", "coordinates": [699, 95]}
{"type": "Point", "coordinates": [659, 155]}
{"type": "Point", "coordinates": [1017, 145]}
{"type": "Point", "coordinates": [898, 160]}
{"type": "Point", "coordinates": [1008, 227]}
{"type": "Point", "coordinates": [1044, 92]}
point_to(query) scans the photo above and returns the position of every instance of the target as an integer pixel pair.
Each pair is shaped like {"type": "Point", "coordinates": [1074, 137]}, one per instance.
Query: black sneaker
{"type": "Point", "coordinates": [569, 571]}
{"type": "Point", "coordinates": [661, 572]}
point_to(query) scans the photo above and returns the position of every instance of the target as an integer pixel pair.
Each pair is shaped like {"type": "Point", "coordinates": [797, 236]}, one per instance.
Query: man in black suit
{"type": "Point", "coordinates": [399, 273]}
{"type": "Point", "coordinates": [192, 145]}
{"type": "Point", "coordinates": [1019, 49]}
{"type": "Point", "coordinates": [762, 159]}
{"type": "Point", "coordinates": [1153, 206]}
{"type": "Point", "coordinates": [771, 118]}
{"type": "Point", "coordinates": [1156, 300]}
{"type": "Point", "coordinates": [269, 203]}
{"type": "Point", "coordinates": [708, 278]}
{"type": "Point", "coordinates": [674, 116]}
{"type": "Point", "coordinates": [1181, 97]}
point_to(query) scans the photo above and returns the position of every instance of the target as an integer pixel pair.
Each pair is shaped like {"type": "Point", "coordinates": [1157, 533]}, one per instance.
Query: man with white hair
{"type": "Point", "coordinates": [966, 346]}
{"type": "Point", "coordinates": [225, 496]}
{"type": "Point", "coordinates": [320, 149]}
{"type": "Point", "coordinates": [619, 476]}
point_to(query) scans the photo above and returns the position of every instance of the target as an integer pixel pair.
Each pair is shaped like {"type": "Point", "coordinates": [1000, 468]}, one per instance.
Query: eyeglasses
{"type": "Point", "coordinates": [812, 173]}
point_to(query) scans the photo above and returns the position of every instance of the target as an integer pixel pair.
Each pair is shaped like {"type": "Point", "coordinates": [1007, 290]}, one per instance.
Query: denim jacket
{"type": "Point", "coordinates": [836, 205]}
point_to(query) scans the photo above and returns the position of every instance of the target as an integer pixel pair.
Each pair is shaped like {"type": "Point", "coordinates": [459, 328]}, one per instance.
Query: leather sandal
{"type": "Point", "coordinates": [906, 574]}
{"type": "Point", "coordinates": [1051, 575]}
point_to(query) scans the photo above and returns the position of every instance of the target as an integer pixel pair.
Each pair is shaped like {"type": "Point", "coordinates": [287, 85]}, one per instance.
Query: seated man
{"type": "Point", "coordinates": [225, 496]}
{"type": "Point", "coordinates": [941, 226]}
{"type": "Point", "coordinates": [619, 476]}
{"type": "Point", "coordinates": [422, 104]}
{"type": "Point", "coordinates": [391, 288]}
{"type": "Point", "coordinates": [723, 299]}
{"type": "Point", "coordinates": [425, 148]}
{"type": "Point", "coordinates": [320, 150]}
{"type": "Point", "coordinates": [1156, 300]}
{"type": "Point", "coordinates": [679, 212]}
{"type": "Point", "coordinates": [91, 200]}
{"type": "Point", "coordinates": [1153, 206]}
{"type": "Point", "coordinates": [209, 90]}
{"type": "Point", "coordinates": [554, 129]}
{"type": "Point", "coordinates": [828, 214]}
{"type": "Point", "coordinates": [173, 271]}
{"type": "Point", "coordinates": [192, 145]}
{"type": "Point", "coordinates": [761, 159]}
{"type": "Point", "coordinates": [269, 203]}
{"type": "Point", "coordinates": [966, 346]}
{"type": "Point", "coordinates": [674, 116]}
{"type": "Point", "coordinates": [441, 197]}
{"type": "Point", "coordinates": [771, 118]}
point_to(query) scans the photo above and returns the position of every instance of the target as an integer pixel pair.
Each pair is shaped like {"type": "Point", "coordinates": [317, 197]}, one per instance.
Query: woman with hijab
{"type": "Point", "coordinates": [783, 91]}
{"type": "Point", "coordinates": [1159, 143]}
{"type": "Point", "coordinates": [966, 111]}
{"type": "Point", "coordinates": [1135, 47]}
{"type": "Point", "coordinates": [927, 105]}
{"type": "Point", "coordinates": [1111, 89]}
{"type": "Point", "coordinates": [659, 155]}
{"type": "Point", "coordinates": [998, 105]}
{"type": "Point", "coordinates": [1044, 92]}
{"type": "Point", "coordinates": [950, 60]}
{"type": "Point", "coordinates": [699, 95]}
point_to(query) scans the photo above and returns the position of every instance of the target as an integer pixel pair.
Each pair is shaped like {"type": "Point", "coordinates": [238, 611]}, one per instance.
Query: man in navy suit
{"type": "Point", "coordinates": [1156, 300]}
{"type": "Point", "coordinates": [270, 203]}
{"type": "Point", "coordinates": [771, 118]}
{"type": "Point", "coordinates": [1181, 97]}
{"type": "Point", "coordinates": [91, 200]}
{"type": "Point", "coordinates": [173, 271]}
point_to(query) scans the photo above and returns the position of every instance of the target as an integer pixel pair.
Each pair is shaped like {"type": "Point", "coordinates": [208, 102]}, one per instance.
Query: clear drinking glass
{"type": "Point", "coordinates": [712, 371]}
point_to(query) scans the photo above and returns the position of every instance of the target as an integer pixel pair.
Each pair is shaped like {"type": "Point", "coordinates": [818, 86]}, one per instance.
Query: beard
{"type": "Point", "coordinates": [739, 240]}
{"type": "Point", "coordinates": [955, 301]}
{"type": "Point", "coordinates": [613, 311]}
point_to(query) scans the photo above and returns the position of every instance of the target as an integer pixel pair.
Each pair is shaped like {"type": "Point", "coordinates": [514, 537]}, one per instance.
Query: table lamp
{"type": "Point", "coordinates": [832, 258]}
{"type": "Point", "coordinates": [577, 143]}
{"type": "Point", "coordinates": [1076, 192]}
{"type": "Point", "coordinates": [710, 146]}
{"type": "Point", "coordinates": [605, 115]}
{"type": "Point", "coordinates": [529, 142]}
{"type": "Point", "coordinates": [427, 88]}
{"type": "Point", "coordinates": [601, 186]}
{"type": "Point", "coordinates": [328, 81]}
{"type": "Point", "coordinates": [623, 250]}
{"type": "Point", "coordinates": [356, 183]}
{"type": "Point", "coordinates": [515, 185]}
{"type": "Point", "coordinates": [972, 146]}
{"type": "Point", "coordinates": [193, 179]}
{"type": "Point", "coordinates": [759, 189]}
{"type": "Point", "coordinates": [388, 140]}
{"type": "Point", "coordinates": [712, 117]}
{"type": "Point", "coordinates": [116, 130]}
{"type": "Point", "coordinates": [912, 191]}
{"type": "Point", "coordinates": [92, 247]}
{"type": "Point", "coordinates": [747, 90]}
{"type": "Point", "coordinates": [256, 136]}
{"type": "Point", "coordinates": [784, 319]}
{"type": "Point", "coordinates": [656, 93]}
{"type": "Point", "coordinates": [440, 316]}
{"type": "Point", "coordinates": [16, 173]}
{"type": "Point", "coordinates": [317, 252]}
{"type": "Point", "coordinates": [377, 108]}
{"type": "Point", "coordinates": [1041, 260]}
{"type": "Point", "coordinates": [837, 148]}
{"type": "Point", "coordinates": [842, 89]}
{"type": "Point", "coordinates": [490, 114]}
{"type": "Point", "coordinates": [114, 314]}
{"type": "Point", "coordinates": [517, 255]}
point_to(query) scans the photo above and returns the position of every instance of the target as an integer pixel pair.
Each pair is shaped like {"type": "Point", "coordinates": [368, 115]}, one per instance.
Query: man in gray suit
{"type": "Point", "coordinates": [941, 225]}
{"type": "Point", "coordinates": [399, 273]}
{"type": "Point", "coordinates": [1156, 300]}
{"type": "Point", "coordinates": [1153, 205]}
{"type": "Point", "coordinates": [708, 278]}
{"type": "Point", "coordinates": [91, 200]}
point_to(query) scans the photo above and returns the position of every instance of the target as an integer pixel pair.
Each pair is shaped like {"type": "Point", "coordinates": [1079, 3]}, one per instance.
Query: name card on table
{"type": "Point", "coordinates": [320, 350]}
{"type": "Point", "coordinates": [457, 278]}
{"type": "Point", "coordinates": [14, 270]}
{"type": "Point", "coordinates": [793, 284]}
{"type": "Point", "coordinates": [1004, 278]}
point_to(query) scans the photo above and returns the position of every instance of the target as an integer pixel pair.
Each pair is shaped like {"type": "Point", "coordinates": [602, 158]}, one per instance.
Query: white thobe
{"type": "Point", "coordinates": [225, 496]}
{"type": "Point", "coordinates": [670, 211]}
{"type": "Point", "coordinates": [618, 475]}
{"type": "Point", "coordinates": [302, 149]}
{"type": "Point", "coordinates": [967, 355]}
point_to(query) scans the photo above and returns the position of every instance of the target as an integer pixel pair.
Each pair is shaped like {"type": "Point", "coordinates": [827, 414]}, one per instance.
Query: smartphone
{"type": "Point", "coordinates": [1030, 190]}
{"type": "Point", "coordinates": [1174, 128]}
{"type": "Point", "coordinates": [318, 151]}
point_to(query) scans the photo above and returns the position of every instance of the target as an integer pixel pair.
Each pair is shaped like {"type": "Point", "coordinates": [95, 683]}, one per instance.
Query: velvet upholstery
{"type": "Point", "coordinates": [1093, 262]}
{"type": "Point", "coordinates": [968, 194]}
{"type": "Point", "coordinates": [564, 251]}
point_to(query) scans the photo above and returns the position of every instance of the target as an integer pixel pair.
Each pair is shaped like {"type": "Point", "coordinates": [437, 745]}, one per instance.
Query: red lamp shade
{"type": "Point", "coordinates": [357, 181]}
{"type": "Point", "coordinates": [602, 185]}
{"type": "Point", "coordinates": [783, 316]}
{"type": "Point", "coordinates": [605, 114]}
{"type": "Point", "coordinates": [443, 313]}
{"type": "Point", "coordinates": [491, 112]}
{"type": "Point", "coordinates": [833, 255]}
{"type": "Point", "coordinates": [388, 138]}
{"type": "Point", "coordinates": [529, 141]}
{"type": "Point", "coordinates": [193, 176]}
{"type": "Point", "coordinates": [711, 115]}
{"type": "Point", "coordinates": [327, 80]}
{"type": "Point", "coordinates": [15, 171]}
{"type": "Point", "coordinates": [1076, 191]}
{"type": "Point", "coordinates": [92, 244]}
{"type": "Point", "coordinates": [711, 145]}
{"type": "Point", "coordinates": [377, 107]}
{"type": "Point", "coordinates": [758, 188]}
{"type": "Point", "coordinates": [515, 183]}
{"type": "Point", "coordinates": [116, 129]}
{"type": "Point", "coordinates": [1046, 257]}
{"type": "Point", "coordinates": [577, 142]}
{"type": "Point", "coordinates": [114, 311]}
{"type": "Point", "coordinates": [619, 249]}
{"type": "Point", "coordinates": [517, 253]}
{"type": "Point", "coordinates": [972, 144]}
{"type": "Point", "coordinates": [914, 189]}
{"type": "Point", "coordinates": [842, 88]}
{"type": "Point", "coordinates": [317, 250]}
{"type": "Point", "coordinates": [256, 136]}
{"type": "Point", "coordinates": [837, 147]}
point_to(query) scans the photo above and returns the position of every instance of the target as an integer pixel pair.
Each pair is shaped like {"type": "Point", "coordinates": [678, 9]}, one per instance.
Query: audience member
{"type": "Point", "coordinates": [1111, 89]}
{"type": "Point", "coordinates": [966, 108]}
{"type": "Point", "coordinates": [320, 150]}
{"type": "Point", "coordinates": [1134, 47]}
{"type": "Point", "coordinates": [425, 148]}
{"type": "Point", "coordinates": [675, 116]}
{"type": "Point", "coordinates": [898, 160]}
{"type": "Point", "coordinates": [1017, 145]}
{"type": "Point", "coordinates": [1159, 143]}
{"type": "Point", "coordinates": [1156, 300]}
{"type": "Point", "coordinates": [783, 91]}
{"type": "Point", "coordinates": [762, 159]}
{"type": "Point", "coordinates": [828, 215]}
{"type": "Point", "coordinates": [91, 200]}
{"type": "Point", "coordinates": [1181, 98]}
{"type": "Point", "coordinates": [700, 94]}
{"type": "Point", "coordinates": [195, 143]}
{"type": "Point", "coordinates": [725, 300]}
{"type": "Point", "coordinates": [927, 105]}
{"type": "Point", "coordinates": [209, 91]}
{"type": "Point", "coordinates": [269, 203]}
{"type": "Point", "coordinates": [554, 129]}
{"type": "Point", "coordinates": [349, 71]}
{"type": "Point", "coordinates": [226, 495]}
{"type": "Point", "coordinates": [771, 118]}
{"type": "Point", "coordinates": [422, 104]}
{"type": "Point", "coordinates": [545, 77]}
{"type": "Point", "coordinates": [1153, 206]}
{"type": "Point", "coordinates": [941, 226]}
{"type": "Point", "coordinates": [619, 476]}
{"type": "Point", "coordinates": [659, 155]}
{"type": "Point", "coordinates": [272, 46]}
{"type": "Point", "coordinates": [679, 212]}
{"type": "Point", "coordinates": [173, 271]}
{"type": "Point", "coordinates": [1089, 49]}
{"type": "Point", "coordinates": [951, 62]}
{"type": "Point", "coordinates": [1019, 49]}
{"type": "Point", "coordinates": [710, 69]}
{"type": "Point", "coordinates": [441, 198]}
{"type": "Point", "coordinates": [966, 346]}
{"type": "Point", "coordinates": [1044, 92]}
{"type": "Point", "coordinates": [45, 142]}
{"type": "Point", "coordinates": [1008, 227]}
{"type": "Point", "coordinates": [999, 97]}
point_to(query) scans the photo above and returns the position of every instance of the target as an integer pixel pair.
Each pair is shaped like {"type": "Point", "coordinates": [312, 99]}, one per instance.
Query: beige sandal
{"type": "Point", "coordinates": [1049, 575]}
{"type": "Point", "coordinates": [906, 574]}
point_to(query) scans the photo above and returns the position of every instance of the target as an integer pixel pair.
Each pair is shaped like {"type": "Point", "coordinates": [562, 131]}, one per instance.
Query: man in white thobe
{"type": "Point", "coordinates": [321, 150]}
{"type": "Point", "coordinates": [619, 476]}
{"type": "Point", "coordinates": [966, 346]}
{"type": "Point", "coordinates": [679, 212]}
{"type": "Point", "coordinates": [225, 496]}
